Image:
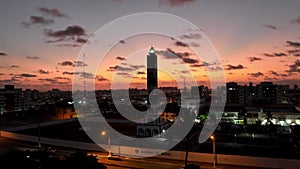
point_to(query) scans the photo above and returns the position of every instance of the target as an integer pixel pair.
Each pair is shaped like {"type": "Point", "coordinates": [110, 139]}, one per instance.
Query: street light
{"type": "Point", "coordinates": [214, 150]}
{"type": "Point", "coordinates": [108, 142]}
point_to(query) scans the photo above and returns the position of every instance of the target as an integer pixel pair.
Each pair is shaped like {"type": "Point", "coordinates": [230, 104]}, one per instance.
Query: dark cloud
{"type": "Point", "coordinates": [191, 36]}
{"type": "Point", "coordinates": [297, 54]}
{"type": "Point", "coordinates": [294, 68]}
{"type": "Point", "coordinates": [101, 78]}
{"type": "Point", "coordinates": [125, 74]}
{"type": "Point", "coordinates": [74, 30]}
{"type": "Point", "coordinates": [293, 51]}
{"type": "Point", "coordinates": [175, 3]}
{"type": "Point", "coordinates": [293, 44]}
{"type": "Point", "coordinates": [253, 58]}
{"type": "Point", "coordinates": [184, 72]}
{"type": "Point", "coordinates": [79, 64]}
{"type": "Point", "coordinates": [48, 80]}
{"type": "Point", "coordinates": [256, 74]}
{"type": "Point", "coordinates": [296, 20]}
{"type": "Point", "coordinates": [201, 65]}
{"type": "Point", "coordinates": [66, 63]}
{"type": "Point", "coordinates": [41, 71]}
{"type": "Point", "coordinates": [141, 73]}
{"type": "Point", "coordinates": [67, 73]}
{"type": "Point", "coordinates": [189, 60]}
{"type": "Point", "coordinates": [81, 40]}
{"type": "Point", "coordinates": [169, 54]}
{"type": "Point", "coordinates": [270, 26]}
{"type": "Point", "coordinates": [277, 74]}
{"type": "Point", "coordinates": [120, 58]}
{"type": "Point", "coordinates": [194, 44]}
{"type": "Point", "coordinates": [37, 20]}
{"type": "Point", "coordinates": [273, 73]}
{"type": "Point", "coordinates": [197, 65]}
{"type": "Point", "coordinates": [119, 68]}
{"type": "Point", "coordinates": [26, 75]}
{"type": "Point", "coordinates": [3, 54]}
{"type": "Point", "coordinates": [51, 11]}
{"type": "Point", "coordinates": [68, 45]}
{"type": "Point", "coordinates": [14, 66]}
{"type": "Point", "coordinates": [86, 75]}
{"type": "Point", "coordinates": [233, 67]}
{"type": "Point", "coordinates": [216, 68]}
{"type": "Point", "coordinates": [137, 66]}
{"type": "Point", "coordinates": [178, 43]}
{"type": "Point", "coordinates": [280, 54]}
{"type": "Point", "coordinates": [32, 57]}
{"type": "Point", "coordinates": [62, 78]}
{"type": "Point", "coordinates": [81, 74]}
{"type": "Point", "coordinates": [72, 35]}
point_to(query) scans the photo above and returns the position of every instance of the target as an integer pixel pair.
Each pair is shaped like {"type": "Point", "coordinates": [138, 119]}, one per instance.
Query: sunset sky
{"type": "Point", "coordinates": [41, 41]}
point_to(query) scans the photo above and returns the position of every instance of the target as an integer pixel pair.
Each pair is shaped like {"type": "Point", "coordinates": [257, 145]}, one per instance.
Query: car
{"type": "Point", "coordinates": [50, 149]}
{"type": "Point", "coordinates": [115, 157]}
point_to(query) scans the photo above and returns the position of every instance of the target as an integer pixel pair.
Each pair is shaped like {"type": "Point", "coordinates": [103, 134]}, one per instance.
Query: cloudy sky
{"type": "Point", "coordinates": [41, 42]}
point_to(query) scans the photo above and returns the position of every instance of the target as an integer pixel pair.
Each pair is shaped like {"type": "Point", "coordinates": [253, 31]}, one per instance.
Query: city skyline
{"type": "Point", "coordinates": [41, 43]}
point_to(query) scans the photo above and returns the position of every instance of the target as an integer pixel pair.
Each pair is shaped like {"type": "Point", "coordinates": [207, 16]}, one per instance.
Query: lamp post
{"type": "Point", "coordinates": [214, 150]}
{"type": "Point", "coordinates": [39, 130]}
{"type": "Point", "coordinates": [108, 142]}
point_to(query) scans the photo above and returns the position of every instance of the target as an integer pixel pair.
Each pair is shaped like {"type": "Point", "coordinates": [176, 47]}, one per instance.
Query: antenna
{"type": "Point", "coordinates": [184, 82]}
{"type": "Point", "coordinates": [83, 75]}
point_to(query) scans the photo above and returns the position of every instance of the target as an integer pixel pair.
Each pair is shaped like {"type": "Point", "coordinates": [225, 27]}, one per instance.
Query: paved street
{"type": "Point", "coordinates": [132, 163]}
{"type": "Point", "coordinates": [156, 163]}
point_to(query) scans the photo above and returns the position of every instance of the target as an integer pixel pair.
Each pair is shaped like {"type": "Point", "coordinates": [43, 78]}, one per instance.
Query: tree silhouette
{"type": "Point", "coordinates": [17, 159]}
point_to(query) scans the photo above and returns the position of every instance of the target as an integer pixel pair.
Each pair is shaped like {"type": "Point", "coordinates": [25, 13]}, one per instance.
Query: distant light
{"type": "Point", "coordinates": [27, 156]}
{"type": "Point", "coordinates": [103, 133]}
{"type": "Point", "coordinates": [163, 130]}
{"type": "Point", "coordinates": [197, 121]}
{"type": "Point", "coordinates": [212, 137]}
{"type": "Point", "coordinates": [152, 50]}
{"type": "Point", "coordinates": [288, 121]}
{"type": "Point", "coordinates": [281, 122]}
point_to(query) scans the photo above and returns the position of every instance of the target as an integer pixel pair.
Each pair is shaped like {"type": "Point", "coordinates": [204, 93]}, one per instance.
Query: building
{"type": "Point", "coordinates": [153, 124]}
{"type": "Point", "coordinates": [152, 82]}
{"type": "Point", "coordinates": [235, 93]}
{"type": "Point", "coordinates": [11, 99]}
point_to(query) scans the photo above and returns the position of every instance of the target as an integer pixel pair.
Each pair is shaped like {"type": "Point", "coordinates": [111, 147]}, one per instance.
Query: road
{"type": "Point", "coordinates": [156, 163]}
{"type": "Point", "coordinates": [132, 163]}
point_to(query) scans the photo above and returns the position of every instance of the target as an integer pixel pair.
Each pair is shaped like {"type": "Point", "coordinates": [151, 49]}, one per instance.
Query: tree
{"type": "Point", "coordinates": [269, 118]}
{"type": "Point", "coordinates": [83, 161]}
{"type": "Point", "coordinates": [17, 159]}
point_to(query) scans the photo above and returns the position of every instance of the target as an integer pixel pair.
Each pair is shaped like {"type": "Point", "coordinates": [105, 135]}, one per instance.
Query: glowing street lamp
{"type": "Point", "coordinates": [103, 133]}
{"type": "Point", "coordinates": [214, 150]}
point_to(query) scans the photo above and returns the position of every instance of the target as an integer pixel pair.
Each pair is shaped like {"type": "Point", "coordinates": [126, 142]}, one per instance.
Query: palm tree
{"type": "Point", "coordinates": [269, 118]}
